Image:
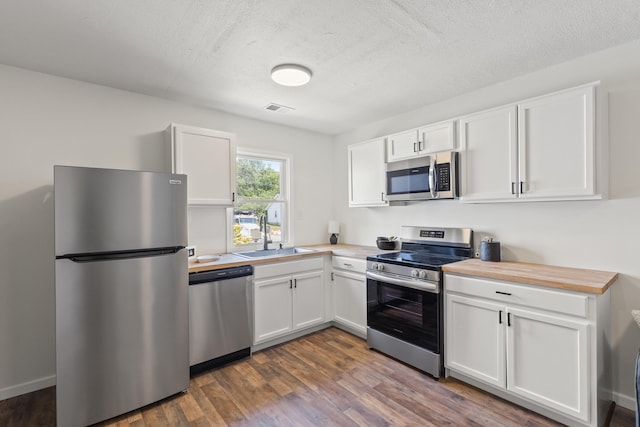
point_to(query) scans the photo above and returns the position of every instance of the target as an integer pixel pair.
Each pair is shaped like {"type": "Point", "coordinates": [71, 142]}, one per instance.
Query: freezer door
{"type": "Point", "coordinates": [106, 210]}
{"type": "Point", "coordinates": [122, 331]}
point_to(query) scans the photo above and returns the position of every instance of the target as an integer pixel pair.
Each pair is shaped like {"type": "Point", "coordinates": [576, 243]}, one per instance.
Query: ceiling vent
{"type": "Point", "coordinates": [278, 108]}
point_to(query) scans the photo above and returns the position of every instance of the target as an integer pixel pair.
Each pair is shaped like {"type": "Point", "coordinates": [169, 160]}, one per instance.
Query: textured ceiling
{"type": "Point", "coordinates": [371, 59]}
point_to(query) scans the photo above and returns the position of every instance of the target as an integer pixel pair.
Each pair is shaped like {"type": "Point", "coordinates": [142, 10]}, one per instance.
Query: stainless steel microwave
{"type": "Point", "coordinates": [424, 178]}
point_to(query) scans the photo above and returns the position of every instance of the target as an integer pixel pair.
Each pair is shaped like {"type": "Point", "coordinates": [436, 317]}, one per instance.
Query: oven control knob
{"type": "Point", "coordinates": [422, 274]}
{"type": "Point", "coordinates": [414, 273]}
{"type": "Point", "coordinates": [374, 266]}
{"type": "Point", "coordinates": [380, 267]}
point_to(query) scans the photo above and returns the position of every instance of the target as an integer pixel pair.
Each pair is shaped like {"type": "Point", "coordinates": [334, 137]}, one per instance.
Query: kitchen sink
{"type": "Point", "coordinates": [265, 253]}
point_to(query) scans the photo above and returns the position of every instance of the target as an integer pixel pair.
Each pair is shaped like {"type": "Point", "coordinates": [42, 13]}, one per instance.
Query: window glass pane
{"type": "Point", "coordinates": [259, 178]}
{"type": "Point", "coordinates": [262, 193]}
{"type": "Point", "coordinates": [248, 227]}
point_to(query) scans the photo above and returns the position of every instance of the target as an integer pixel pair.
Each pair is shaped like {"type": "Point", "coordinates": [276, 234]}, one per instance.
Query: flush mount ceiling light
{"type": "Point", "coordinates": [291, 75]}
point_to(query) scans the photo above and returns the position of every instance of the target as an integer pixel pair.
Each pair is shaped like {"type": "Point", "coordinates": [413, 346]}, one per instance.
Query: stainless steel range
{"type": "Point", "coordinates": [404, 298]}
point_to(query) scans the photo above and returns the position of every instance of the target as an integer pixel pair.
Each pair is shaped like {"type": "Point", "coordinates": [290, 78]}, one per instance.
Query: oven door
{"type": "Point", "coordinates": [409, 314]}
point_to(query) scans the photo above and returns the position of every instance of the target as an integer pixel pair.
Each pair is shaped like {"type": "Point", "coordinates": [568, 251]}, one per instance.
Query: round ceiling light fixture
{"type": "Point", "coordinates": [291, 75]}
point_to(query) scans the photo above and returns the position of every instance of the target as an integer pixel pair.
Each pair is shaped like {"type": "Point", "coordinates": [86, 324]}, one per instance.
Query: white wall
{"type": "Point", "coordinates": [47, 120]}
{"type": "Point", "coordinates": [601, 235]}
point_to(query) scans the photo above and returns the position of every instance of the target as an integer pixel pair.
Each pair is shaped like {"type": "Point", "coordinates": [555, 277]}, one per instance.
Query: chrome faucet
{"type": "Point", "coordinates": [263, 223]}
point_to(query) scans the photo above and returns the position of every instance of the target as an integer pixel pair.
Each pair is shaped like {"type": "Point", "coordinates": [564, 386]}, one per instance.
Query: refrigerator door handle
{"type": "Point", "coordinates": [110, 256]}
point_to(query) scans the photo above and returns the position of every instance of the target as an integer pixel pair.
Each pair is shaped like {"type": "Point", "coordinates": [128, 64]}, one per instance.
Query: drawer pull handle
{"type": "Point", "coordinates": [503, 293]}
{"type": "Point", "coordinates": [348, 265]}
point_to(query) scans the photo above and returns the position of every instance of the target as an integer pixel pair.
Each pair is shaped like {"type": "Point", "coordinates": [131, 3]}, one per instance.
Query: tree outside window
{"type": "Point", "coordinates": [261, 191]}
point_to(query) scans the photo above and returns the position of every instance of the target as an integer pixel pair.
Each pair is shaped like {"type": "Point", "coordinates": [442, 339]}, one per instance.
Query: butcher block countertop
{"type": "Point", "coordinates": [231, 260]}
{"type": "Point", "coordinates": [571, 279]}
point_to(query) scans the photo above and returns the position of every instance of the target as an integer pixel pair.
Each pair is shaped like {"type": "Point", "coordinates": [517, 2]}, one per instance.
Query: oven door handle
{"type": "Point", "coordinates": [419, 285]}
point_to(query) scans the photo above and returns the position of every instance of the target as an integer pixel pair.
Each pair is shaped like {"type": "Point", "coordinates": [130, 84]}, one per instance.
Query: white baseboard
{"type": "Point", "coordinates": [628, 402]}
{"type": "Point", "coordinates": [28, 387]}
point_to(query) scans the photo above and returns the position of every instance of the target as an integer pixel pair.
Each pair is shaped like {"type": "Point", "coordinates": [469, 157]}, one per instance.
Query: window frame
{"type": "Point", "coordinates": [285, 199]}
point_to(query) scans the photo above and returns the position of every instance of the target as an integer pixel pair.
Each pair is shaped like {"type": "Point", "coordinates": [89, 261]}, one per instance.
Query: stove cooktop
{"type": "Point", "coordinates": [429, 248]}
{"type": "Point", "coordinates": [417, 259]}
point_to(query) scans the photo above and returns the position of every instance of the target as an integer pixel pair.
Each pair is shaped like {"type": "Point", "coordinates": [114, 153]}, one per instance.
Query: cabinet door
{"type": "Point", "coordinates": [555, 144]}
{"type": "Point", "coordinates": [350, 300]}
{"type": "Point", "coordinates": [403, 145]}
{"type": "Point", "coordinates": [489, 161]}
{"type": "Point", "coordinates": [436, 137]}
{"type": "Point", "coordinates": [548, 361]}
{"type": "Point", "coordinates": [308, 299]}
{"type": "Point", "coordinates": [367, 174]}
{"type": "Point", "coordinates": [208, 157]}
{"type": "Point", "coordinates": [273, 307]}
{"type": "Point", "coordinates": [475, 341]}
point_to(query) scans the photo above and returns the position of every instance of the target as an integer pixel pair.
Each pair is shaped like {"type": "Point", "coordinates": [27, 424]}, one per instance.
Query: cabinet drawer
{"type": "Point", "coordinates": [287, 267]}
{"type": "Point", "coordinates": [351, 264]}
{"type": "Point", "coordinates": [509, 293]}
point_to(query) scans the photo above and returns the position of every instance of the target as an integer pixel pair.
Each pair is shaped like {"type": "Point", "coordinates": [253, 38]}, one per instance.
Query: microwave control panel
{"type": "Point", "coordinates": [444, 172]}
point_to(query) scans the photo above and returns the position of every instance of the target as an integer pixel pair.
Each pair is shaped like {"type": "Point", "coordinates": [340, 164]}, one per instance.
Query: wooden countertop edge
{"type": "Point", "coordinates": [354, 251]}
{"type": "Point", "coordinates": [567, 278]}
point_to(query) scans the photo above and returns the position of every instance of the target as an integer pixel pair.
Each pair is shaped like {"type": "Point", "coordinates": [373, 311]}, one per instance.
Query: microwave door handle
{"type": "Point", "coordinates": [432, 177]}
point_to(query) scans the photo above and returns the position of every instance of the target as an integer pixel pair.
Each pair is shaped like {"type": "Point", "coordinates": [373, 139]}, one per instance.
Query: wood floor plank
{"type": "Point", "coordinates": [190, 408]}
{"type": "Point", "coordinates": [228, 410]}
{"type": "Point", "coordinates": [173, 413]}
{"type": "Point", "coordinates": [208, 409]}
{"type": "Point", "coordinates": [154, 416]}
{"type": "Point", "coordinates": [329, 378]}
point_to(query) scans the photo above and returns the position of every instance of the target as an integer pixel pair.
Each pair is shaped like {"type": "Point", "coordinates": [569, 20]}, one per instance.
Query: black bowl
{"type": "Point", "coordinates": [387, 244]}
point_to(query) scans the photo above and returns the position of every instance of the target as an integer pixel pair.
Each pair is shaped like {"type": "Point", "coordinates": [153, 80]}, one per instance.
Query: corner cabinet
{"type": "Point", "coordinates": [538, 149]}
{"type": "Point", "coordinates": [289, 296]}
{"type": "Point", "coordinates": [367, 174]}
{"type": "Point", "coordinates": [208, 157]}
{"type": "Point", "coordinates": [538, 347]}
{"type": "Point", "coordinates": [421, 141]}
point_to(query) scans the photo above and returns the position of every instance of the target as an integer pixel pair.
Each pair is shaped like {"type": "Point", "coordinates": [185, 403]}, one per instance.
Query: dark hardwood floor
{"type": "Point", "coordinates": [329, 378]}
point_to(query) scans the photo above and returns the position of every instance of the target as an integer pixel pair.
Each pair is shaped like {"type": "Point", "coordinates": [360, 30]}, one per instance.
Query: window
{"type": "Point", "coordinates": [262, 188]}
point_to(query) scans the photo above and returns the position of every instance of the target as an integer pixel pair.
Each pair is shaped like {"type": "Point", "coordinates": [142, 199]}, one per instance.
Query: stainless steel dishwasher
{"type": "Point", "coordinates": [220, 316]}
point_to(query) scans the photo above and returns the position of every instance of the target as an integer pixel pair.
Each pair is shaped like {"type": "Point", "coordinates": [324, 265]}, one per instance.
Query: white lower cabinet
{"type": "Point", "coordinates": [350, 294]}
{"type": "Point", "coordinates": [289, 296]}
{"type": "Point", "coordinates": [548, 360]}
{"type": "Point", "coordinates": [475, 339]}
{"type": "Point", "coordinates": [535, 345]}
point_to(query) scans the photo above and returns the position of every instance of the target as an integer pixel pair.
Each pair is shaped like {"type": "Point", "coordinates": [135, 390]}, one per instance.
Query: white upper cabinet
{"type": "Point", "coordinates": [555, 145]}
{"type": "Point", "coordinates": [539, 149]}
{"type": "Point", "coordinates": [367, 174]}
{"type": "Point", "coordinates": [403, 145]}
{"type": "Point", "coordinates": [421, 141]}
{"type": "Point", "coordinates": [208, 158]}
{"type": "Point", "coordinates": [489, 160]}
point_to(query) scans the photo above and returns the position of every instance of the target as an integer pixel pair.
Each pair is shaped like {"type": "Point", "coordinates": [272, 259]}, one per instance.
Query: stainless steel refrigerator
{"type": "Point", "coordinates": [122, 301]}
